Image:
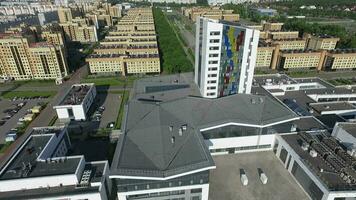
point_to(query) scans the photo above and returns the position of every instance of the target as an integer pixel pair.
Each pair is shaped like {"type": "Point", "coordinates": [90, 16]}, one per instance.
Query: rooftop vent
{"type": "Point", "coordinates": [313, 153]}
{"type": "Point", "coordinates": [170, 128]}
{"type": "Point", "coordinates": [173, 139]}
{"type": "Point", "coordinates": [184, 127]}
{"type": "Point", "coordinates": [305, 146]}
{"type": "Point", "coordinates": [326, 107]}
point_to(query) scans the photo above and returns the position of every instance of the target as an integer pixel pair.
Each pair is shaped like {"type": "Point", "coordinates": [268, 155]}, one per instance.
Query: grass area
{"type": "Point", "coordinates": [342, 81]}
{"type": "Point", "coordinates": [125, 98]}
{"type": "Point", "coordinates": [172, 54]}
{"type": "Point", "coordinates": [300, 74]}
{"type": "Point", "coordinates": [53, 120]}
{"type": "Point", "coordinates": [110, 81]}
{"type": "Point", "coordinates": [12, 94]}
{"type": "Point", "coordinates": [4, 147]}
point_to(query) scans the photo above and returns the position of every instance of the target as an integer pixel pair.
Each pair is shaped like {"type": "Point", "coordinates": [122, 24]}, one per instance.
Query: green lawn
{"type": "Point", "coordinates": [125, 98]}
{"type": "Point", "coordinates": [341, 81]}
{"type": "Point", "coordinates": [12, 94]}
{"type": "Point", "coordinates": [301, 74]}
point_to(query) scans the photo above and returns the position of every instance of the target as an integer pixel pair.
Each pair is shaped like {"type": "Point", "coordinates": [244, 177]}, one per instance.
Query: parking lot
{"type": "Point", "coordinates": [225, 180]}
{"type": "Point", "coordinates": [12, 122]}
{"type": "Point", "coordinates": [111, 103]}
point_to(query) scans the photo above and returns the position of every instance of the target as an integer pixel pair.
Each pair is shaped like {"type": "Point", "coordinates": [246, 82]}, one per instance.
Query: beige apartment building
{"type": "Point", "coordinates": [64, 15]}
{"type": "Point", "coordinates": [125, 64]}
{"type": "Point", "coordinates": [48, 61]}
{"type": "Point", "coordinates": [283, 35]}
{"type": "Point", "coordinates": [55, 38]}
{"type": "Point", "coordinates": [265, 55]}
{"type": "Point", "coordinates": [340, 59]}
{"type": "Point", "coordinates": [131, 48]}
{"type": "Point", "coordinates": [290, 44]}
{"type": "Point", "coordinates": [299, 60]}
{"type": "Point", "coordinates": [322, 42]}
{"type": "Point", "coordinates": [22, 60]}
{"type": "Point", "coordinates": [272, 26]}
{"type": "Point", "coordinates": [75, 32]}
{"type": "Point", "coordinates": [212, 13]}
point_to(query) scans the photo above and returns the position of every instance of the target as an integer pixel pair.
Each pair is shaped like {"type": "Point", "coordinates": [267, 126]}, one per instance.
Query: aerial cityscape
{"type": "Point", "coordinates": [178, 100]}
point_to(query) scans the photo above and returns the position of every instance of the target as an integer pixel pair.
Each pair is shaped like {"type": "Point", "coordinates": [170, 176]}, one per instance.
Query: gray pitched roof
{"type": "Point", "coordinates": [146, 148]}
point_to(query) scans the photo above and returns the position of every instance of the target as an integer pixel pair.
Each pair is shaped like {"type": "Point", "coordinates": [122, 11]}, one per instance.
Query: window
{"type": "Point", "coordinates": [214, 55]}
{"type": "Point", "coordinates": [212, 75]}
{"type": "Point", "coordinates": [215, 33]}
{"type": "Point", "coordinates": [214, 48]}
{"type": "Point", "coordinates": [211, 88]}
{"type": "Point", "coordinates": [212, 69]}
{"type": "Point", "coordinates": [213, 62]}
{"type": "Point", "coordinates": [198, 190]}
{"type": "Point", "coordinates": [211, 81]}
{"type": "Point", "coordinates": [214, 41]}
{"type": "Point", "coordinates": [210, 94]}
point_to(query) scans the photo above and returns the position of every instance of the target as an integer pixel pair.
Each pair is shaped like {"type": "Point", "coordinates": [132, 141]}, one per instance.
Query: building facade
{"type": "Point", "coordinates": [76, 103]}
{"type": "Point", "coordinates": [41, 169]}
{"type": "Point", "coordinates": [130, 49]}
{"type": "Point", "coordinates": [225, 58]}
{"type": "Point", "coordinates": [23, 60]}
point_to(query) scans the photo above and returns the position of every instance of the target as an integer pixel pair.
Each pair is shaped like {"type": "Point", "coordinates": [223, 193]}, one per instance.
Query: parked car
{"type": "Point", "coordinates": [2, 122]}
{"type": "Point", "coordinates": [110, 125]}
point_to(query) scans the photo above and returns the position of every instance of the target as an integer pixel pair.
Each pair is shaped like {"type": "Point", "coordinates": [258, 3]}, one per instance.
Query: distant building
{"type": "Point", "coordinates": [76, 103]}
{"type": "Point", "coordinates": [64, 14]}
{"type": "Point", "coordinates": [25, 60]}
{"type": "Point", "coordinates": [322, 42]}
{"type": "Point", "coordinates": [340, 59]}
{"type": "Point", "coordinates": [79, 33]}
{"type": "Point", "coordinates": [130, 49]}
{"type": "Point", "coordinates": [266, 12]}
{"type": "Point", "coordinates": [211, 13]}
{"type": "Point", "coordinates": [41, 169]}
{"type": "Point", "coordinates": [225, 57]}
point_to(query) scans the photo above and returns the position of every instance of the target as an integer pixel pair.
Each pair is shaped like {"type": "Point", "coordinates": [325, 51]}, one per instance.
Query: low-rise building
{"type": "Point", "coordinates": [211, 13]}
{"type": "Point", "coordinates": [41, 169]}
{"type": "Point", "coordinates": [76, 103]}
{"type": "Point", "coordinates": [340, 59]}
{"type": "Point", "coordinates": [300, 59]}
{"type": "Point", "coordinates": [282, 35]}
{"type": "Point", "coordinates": [265, 54]}
{"type": "Point", "coordinates": [290, 44]}
{"type": "Point", "coordinates": [322, 42]}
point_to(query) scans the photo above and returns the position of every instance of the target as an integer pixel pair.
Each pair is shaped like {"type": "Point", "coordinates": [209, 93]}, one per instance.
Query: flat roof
{"type": "Point", "coordinates": [76, 94]}
{"type": "Point", "coordinates": [48, 192]}
{"type": "Point", "coordinates": [332, 106]}
{"type": "Point", "coordinates": [225, 179]}
{"type": "Point", "coordinates": [349, 127]}
{"type": "Point", "coordinates": [165, 88]}
{"type": "Point", "coordinates": [146, 148]}
{"type": "Point", "coordinates": [330, 120]}
{"type": "Point", "coordinates": [25, 164]}
{"type": "Point", "coordinates": [273, 79]}
{"type": "Point", "coordinates": [331, 157]}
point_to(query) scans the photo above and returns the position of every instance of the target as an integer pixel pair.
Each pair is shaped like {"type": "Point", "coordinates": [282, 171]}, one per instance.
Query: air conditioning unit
{"type": "Point", "coordinates": [305, 146]}
{"type": "Point", "coordinates": [313, 153]}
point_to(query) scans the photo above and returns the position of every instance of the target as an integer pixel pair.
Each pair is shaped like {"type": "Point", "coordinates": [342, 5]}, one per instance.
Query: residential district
{"type": "Point", "coordinates": [89, 109]}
